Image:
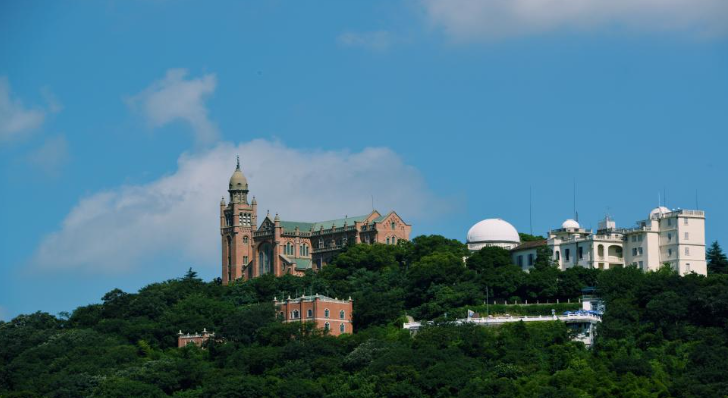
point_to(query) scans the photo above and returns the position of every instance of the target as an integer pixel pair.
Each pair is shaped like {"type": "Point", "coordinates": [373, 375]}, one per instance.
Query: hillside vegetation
{"type": "Point", "coordinates": [662, 335]}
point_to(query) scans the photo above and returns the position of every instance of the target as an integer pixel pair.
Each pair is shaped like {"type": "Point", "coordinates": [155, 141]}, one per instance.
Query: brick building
{"type": "Point", "coordinates": [197, 339]}
{"type": "Point", "coordinates": [290, 247]}
{"type": "Point", "coordinates": [328, 313]}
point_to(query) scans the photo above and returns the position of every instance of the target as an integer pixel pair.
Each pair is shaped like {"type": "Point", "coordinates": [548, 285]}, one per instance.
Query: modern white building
{"type": "Point", "coordinates": [674, 237]}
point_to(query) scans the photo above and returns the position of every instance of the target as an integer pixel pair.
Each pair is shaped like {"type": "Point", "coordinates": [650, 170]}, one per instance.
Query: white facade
{"type": "Point", "coordinates": [675, 237]}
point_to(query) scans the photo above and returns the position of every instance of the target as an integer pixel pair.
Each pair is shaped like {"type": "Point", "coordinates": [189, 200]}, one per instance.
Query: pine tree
{"type": "Point", "coordinates": [717, 260]}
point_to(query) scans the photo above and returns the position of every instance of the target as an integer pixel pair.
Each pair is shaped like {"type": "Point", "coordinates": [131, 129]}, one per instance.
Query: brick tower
{"type": "Point", "coordinates": [238, 220]}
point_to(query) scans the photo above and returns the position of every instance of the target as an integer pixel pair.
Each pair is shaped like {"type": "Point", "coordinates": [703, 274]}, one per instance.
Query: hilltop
{"type": "Point", "coordinates": [662, 334]}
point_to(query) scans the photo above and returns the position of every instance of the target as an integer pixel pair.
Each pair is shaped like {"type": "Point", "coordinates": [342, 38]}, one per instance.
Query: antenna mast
{"type": "Point", "coordinates": [530, 210]}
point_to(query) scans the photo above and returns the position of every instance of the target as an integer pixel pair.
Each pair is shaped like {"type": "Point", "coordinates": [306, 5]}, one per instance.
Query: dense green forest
{"type": "Point", "coordinates": [662, 335]}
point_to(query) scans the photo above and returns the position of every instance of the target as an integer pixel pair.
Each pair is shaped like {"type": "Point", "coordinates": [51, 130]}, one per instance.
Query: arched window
{"type": "Point", "coordinates": [309, 313]}
{"type": "Point", "coordinates": [245, 239]}
{"type": "Point", "coordinates": [326, 313]}
{"type": "Point", "coordinates": [327, 327]}
{"type": "Point", "coordinates": [341, 314]}
{"type": "Point", "coordinates": [394, 225]}
{"type": "Point", "coordinates": [295, 314]}
{"type": "Point", "coordinates": [342, 328]}
{"type": "Point", "coordinates": [387, 240]}
{"type": "Point", "coordinates": [394, 240]}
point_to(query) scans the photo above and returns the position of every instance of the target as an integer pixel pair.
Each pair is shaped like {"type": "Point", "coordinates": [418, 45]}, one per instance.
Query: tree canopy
{"type": "Point", "coordinates": [662, 334]}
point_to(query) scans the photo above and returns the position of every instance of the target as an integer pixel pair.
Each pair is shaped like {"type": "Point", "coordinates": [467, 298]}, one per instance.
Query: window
{"type": "Point", "coordinates": [634, 251]}
{"type": "Point", "coordinates": [686, 221]}
{"type": "Point", "coordinates": [387, 240]}
{"type": "Point", "coordinates": [557, 255]}
{"type": "Point", "coordinates": [342, 328]}
{"type": "Point", "coordinates": [326, 313]}
{"type": "Point", "coordinates": [309, 313]}
{"type": "Point", "coordinates": [639, 238]}
{"type": "Point", "coordinates": [530, 259]}
{"type": "Point", "coordinates": [581, 253]}
{"type": "Point", "coordinates": [634, 238]}
{"type": "Point", "coordinates": [687, 236]}
{"type": "Point", "coordinates": [245, 260]}
{"type": "Point", "coordinates": [669, 237]}
{"type": "Point", "coordinates": [295, 314]}
{"type": "Point", "coordinates": [240, 219]}
{"type": "Point", "coordinates": [639, 251]}
{"type": "Point", "coordinates": [567, 253]}
{"type": "Point", "coordinates": [687, 251]}
{"type": "Point", "coordinates": [245, 239]}
{"type": "Point", "coordinates": [344, 240]}
{"type": "Point", "coordinates": [669, 221]}
{"type": "Point", "coordinates": [327, 327]}
{"type": "Point", "coordinates": [393, 225]}
{"type": "Point", "coordinates": [321, 243]}
{"type": "Point", "coordinates": [669, 252]}
{"type": "Point", "coordinates": [642, 265]}
{"type": "Point", "coordinates": [394, 240]}
{"type": "Point", "coordinates": [520, 261]}
{"type": "Point", "coordinates": [341, 314]}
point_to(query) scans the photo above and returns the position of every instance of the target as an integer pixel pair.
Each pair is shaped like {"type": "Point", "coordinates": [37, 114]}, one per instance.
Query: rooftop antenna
{"type": "Point", "coordinates": [696, 200]}
{"type": "Point", "coordinates": [664, 196]}
{"type": "Point", "coordinates": [576, 215]}
{"type": "Point", "coordinates": [530, 210]}
{"type": "Point", "coordinates": [238, 157]}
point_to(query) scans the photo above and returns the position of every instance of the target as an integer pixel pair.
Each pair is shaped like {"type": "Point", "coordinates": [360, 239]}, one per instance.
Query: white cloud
{"type": "Point", "coordinates": [377, 40]}
{"type": "Point", "coordinates": [466, 20]}
{"type": "Point", "coordinates": [15, 120]}
{"type": "Point", "coordinates": [179, 213]}
{"type": "Point", "coordinates": [51, 155]}
{"type": "Point", "coordinates": [176, 98]}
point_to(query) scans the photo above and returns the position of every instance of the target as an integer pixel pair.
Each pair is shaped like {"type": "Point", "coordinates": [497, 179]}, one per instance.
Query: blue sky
{"type": "Point", "coordinates": [120, 122]}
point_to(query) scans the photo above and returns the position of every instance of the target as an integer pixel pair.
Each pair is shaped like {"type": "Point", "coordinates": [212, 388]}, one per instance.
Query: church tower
{"type": "Point", "coordinates": [238, 220]}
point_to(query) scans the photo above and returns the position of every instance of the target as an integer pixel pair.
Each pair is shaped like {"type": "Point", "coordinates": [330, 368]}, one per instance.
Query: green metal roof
{"type": "Point", "coordinates": [302, 263]}
{"type": "Point", "coordinates": [315, 226]}
{"type": "Point", "coordinates": [291, 225]}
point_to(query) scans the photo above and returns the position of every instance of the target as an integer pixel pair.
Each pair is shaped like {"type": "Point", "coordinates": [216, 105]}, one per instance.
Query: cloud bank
{"type": "Point", "coordinates": [471, 20]}
{"type": "Point", "coordinates": [50, 156]}
{"type": "Point", "coordinates": [16, 121]}
{"type": "Point", "coordinates": [175, 98]}
{"type": "Point", "coordinates": [113, 231]}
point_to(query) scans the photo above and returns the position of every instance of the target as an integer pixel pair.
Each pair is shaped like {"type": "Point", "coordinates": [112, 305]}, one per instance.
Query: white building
{"type": "Point", "coordinates": [675, 237]}
{"type": "Point", "coordinates": [493, 232]}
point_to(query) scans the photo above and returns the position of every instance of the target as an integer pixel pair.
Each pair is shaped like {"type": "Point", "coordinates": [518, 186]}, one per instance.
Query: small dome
{"type": "Point", "coordinates": [238, 181]}
{"type": "Point", "coordinates": [493, 230]}
{"type": "Point", "coordinates": [659, 211]}
{"type": "Point", "coordinates": [570, 223]}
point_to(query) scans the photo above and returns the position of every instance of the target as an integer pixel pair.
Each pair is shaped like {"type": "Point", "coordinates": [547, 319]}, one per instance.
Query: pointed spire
{"type": "Point", "coordinates": [238, 166]}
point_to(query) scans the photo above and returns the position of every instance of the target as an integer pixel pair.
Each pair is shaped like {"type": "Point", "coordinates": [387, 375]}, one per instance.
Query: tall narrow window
{"type": "Point", "coordinates": [393, 225]}
{"type": "Point", "coordinates": [530, 259]}
{"type": "Point", "coordinates": [387, 240]}
{"type": "Point", "coordinates": [309, 313]}
{"type": "Point", "coordinates": [581, 253]}
{"type": "Point", "coordinates": [341, 314]}
{"type": "Point", "coordinates": [326, 313]}
{"type": "Point", "coordinates": [342, 328]}
{"type": "Point", "coordinates": [687, 236]}
{"type": "Point", "coordinates": [686, 221]}
{"type": "Point", "coordinates": [687, 251]}
{"type": "Point", "coordinates": [245, 260]}
{"type": "Point", "coordinates": [567, 253]}
{"type": "Point", "coordinates": [327, 327]}
{"type": "Point", "coordinates": [519, 261]}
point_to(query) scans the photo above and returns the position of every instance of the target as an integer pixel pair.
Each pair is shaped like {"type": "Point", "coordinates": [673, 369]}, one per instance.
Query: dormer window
{"type": "Point", "coordinates": [394, 225]}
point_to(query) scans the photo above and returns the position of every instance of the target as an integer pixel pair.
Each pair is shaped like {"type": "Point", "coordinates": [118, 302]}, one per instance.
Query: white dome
{"type": "Point", "coordinates": [659, 210]}
{"type": "Point", "coordinates": [493, 230]}
{"type": "Point", "coordinates": [570, 223]}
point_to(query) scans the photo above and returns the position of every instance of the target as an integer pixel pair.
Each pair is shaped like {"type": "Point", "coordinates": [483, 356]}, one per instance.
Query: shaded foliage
{"type": "Point", "coordinates": [662, 334]}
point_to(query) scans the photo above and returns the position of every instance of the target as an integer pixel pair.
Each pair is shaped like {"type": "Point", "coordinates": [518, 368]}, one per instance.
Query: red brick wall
{"type": "Point", "coordinates": [318, 309]}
